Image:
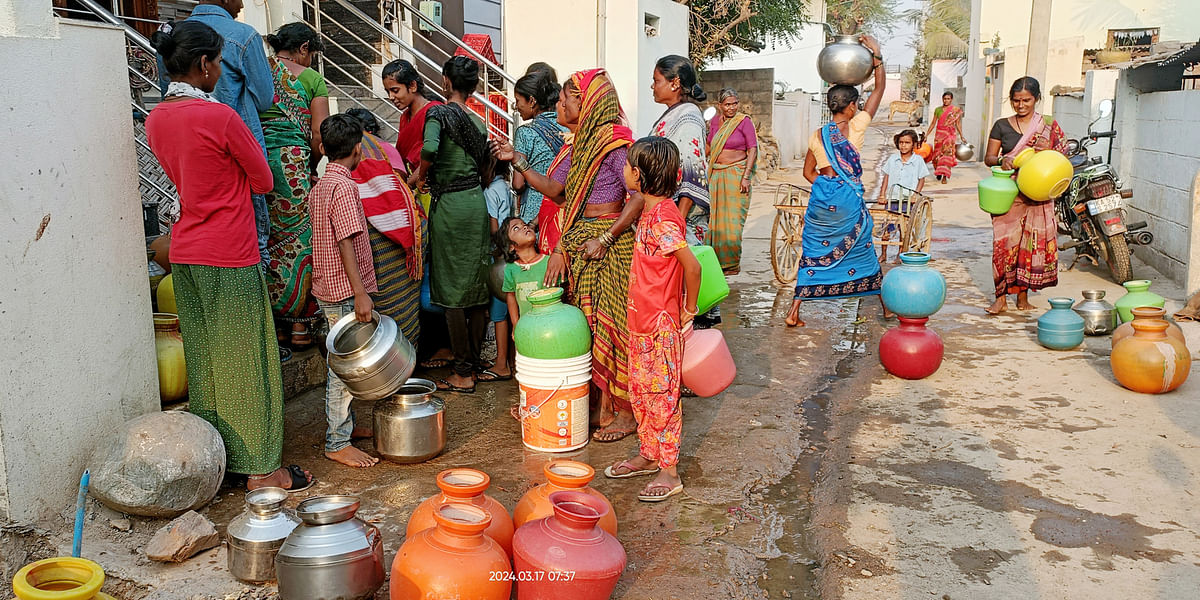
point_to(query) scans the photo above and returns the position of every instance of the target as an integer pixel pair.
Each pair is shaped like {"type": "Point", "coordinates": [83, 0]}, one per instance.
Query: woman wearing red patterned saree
{"type": "Point", "coordinates": [945, 130]}
{"type": "Point", "coordinates": [1024, 245]}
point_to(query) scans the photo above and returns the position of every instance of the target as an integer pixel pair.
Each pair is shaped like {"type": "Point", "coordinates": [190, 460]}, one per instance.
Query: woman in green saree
{"type": "Point", "coordinates": [292, 129]}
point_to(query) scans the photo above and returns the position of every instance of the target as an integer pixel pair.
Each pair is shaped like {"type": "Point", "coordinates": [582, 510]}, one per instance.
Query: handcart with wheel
{"type": "Point", "coordinates": [911, 218]}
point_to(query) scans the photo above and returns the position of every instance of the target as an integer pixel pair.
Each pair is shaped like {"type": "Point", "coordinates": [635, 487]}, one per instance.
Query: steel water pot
{"type": "Point", "coordinates": [1099, 317]}
{"type": "Point", "coordinates": [256, 535]}
{"type": "Point", "coordinates": [410, 425]}
{"type": "Point", "coordinates": [964, 151]}
{"type": "Point", "coordinates": [845, 61]}
{"type": "Point", "coordinates": [332, 555]}
{"type": "Point", "coordinates": [373, 358]}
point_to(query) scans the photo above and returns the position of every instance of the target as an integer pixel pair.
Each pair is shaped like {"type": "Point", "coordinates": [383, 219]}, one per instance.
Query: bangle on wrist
{"type": "Point", "coordinates": [521, 165]}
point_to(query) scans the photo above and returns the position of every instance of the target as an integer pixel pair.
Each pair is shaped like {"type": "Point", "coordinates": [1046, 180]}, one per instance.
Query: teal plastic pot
{"type": "Point", "coordinates": [1060, 328]}
{"type": "Point", "coordinates": [551, 329]}
{"type": "Point", "coordinates": [713, 287]}
{"type": "Point", "coordinates": [1137, 294]}
{"type": "Point", "coordinates": [997, 193]}
{"type": "Point", "coordinates": [914, 289]}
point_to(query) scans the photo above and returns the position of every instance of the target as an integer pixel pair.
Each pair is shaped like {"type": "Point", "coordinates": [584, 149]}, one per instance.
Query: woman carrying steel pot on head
{"type": "Point", "coordinates": [1024, 245]}
{"type": "Point", "coordinates": [590, 236]}
{"type": "Point", "coordinates": [838, 258]}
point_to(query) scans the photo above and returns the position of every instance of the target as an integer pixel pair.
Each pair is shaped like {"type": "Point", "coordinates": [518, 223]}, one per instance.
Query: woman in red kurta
{"type": "Point", "coordinates": [660, 306]}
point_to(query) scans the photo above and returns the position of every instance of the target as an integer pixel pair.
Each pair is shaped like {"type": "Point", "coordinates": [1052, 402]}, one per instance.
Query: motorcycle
{"type": "Point", "coordinates": [1092, 210]}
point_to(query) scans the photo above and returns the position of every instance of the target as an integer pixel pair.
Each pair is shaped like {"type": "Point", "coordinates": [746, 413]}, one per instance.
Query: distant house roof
{"type": "Point", "coordinates": [1164, 54]}
{"type": "Point", "coordinates": [1163, 69]}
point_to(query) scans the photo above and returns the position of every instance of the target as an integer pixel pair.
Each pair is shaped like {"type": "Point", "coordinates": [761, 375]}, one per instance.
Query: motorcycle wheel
{"type": "Point", "coordinates": [1116, 254]}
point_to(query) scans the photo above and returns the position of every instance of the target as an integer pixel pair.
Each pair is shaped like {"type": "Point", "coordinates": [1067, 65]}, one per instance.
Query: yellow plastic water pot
{"type": "Point", "coordinates": [1043, 175]}
{"type": "Point", "coordinates": [61, 578]}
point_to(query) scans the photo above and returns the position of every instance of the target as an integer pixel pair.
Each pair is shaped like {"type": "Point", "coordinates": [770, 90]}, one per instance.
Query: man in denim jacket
{"type": "Point", "coordinates": [246, 83]}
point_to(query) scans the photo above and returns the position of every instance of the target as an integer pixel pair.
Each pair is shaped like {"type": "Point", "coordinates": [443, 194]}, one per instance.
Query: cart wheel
{"type": "Point", "coordinates": [787, 235]}
{"type": "Point", "coordinates": [919, 233]}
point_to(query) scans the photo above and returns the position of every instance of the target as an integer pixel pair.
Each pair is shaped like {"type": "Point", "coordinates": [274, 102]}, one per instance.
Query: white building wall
{"type": "Point", "coordinates": [1072, 115]}
{"type": "Point", "coordinates": [1163, 174]}
{"type": "Point", "coordinates": [1091, 19]}
{"type": "Point", "coordinates": [795, 62]}
{"type": "Point", "coordinates": [77, 340]}
{"type": "Point", "coordinates": [625, 50]}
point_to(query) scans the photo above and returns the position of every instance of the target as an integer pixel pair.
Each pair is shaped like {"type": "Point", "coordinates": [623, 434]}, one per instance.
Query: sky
{"type": "Point", "coordinates": [895, 48]}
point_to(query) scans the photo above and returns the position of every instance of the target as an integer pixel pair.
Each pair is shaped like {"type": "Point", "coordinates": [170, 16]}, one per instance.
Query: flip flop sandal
{"type": "Point", "coordinates": [624, 433]}
{"type": "Point", "coordinates": [633, 471]}
{"type": "Point", "coordinates": [435, 363]}
{"type": "Point", "coordinates": [300, 481]}
{"type": "Point", "coordinates": [451, 388]}
{"type": "Point", "coordinates": [649, 498]}
{"type": "Point", "coordinates": [488, 375]}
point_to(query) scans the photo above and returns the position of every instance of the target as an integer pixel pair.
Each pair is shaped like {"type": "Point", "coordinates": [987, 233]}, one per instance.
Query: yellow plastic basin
{"type": "Point", "coordinates": [62, 578]}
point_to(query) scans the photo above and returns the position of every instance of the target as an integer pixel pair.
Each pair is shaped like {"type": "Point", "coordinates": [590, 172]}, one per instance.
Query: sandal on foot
{"type": "Point", "coordinates": [620, 433]}
{"type": "Point", "coordinates": [444, 386]}
{"type": "Point", "coordinates": [644, 497]}
{"type": "Point", "coordinates": [633, 471]}
{"type": "Point", "coordinates": [300, 481]}
{"type": "Point", "coordinates": [488, 375]}
{"type": "Point", "coordinates": [434, 363]}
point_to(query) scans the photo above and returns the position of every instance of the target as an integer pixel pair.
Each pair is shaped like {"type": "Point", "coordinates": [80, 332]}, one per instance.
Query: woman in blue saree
{"type": "Point", "coordinates": [838, 259]}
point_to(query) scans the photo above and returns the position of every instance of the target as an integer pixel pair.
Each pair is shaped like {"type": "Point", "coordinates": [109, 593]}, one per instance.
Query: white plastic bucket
{"type": "Point", "coordinates": [554, 402]}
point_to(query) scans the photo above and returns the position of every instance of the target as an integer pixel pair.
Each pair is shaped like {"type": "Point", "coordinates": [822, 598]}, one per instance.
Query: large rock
{"type": "Point", "coordinates": [159, 465]}
{"type": "Point", "coordinates": [182, 538]}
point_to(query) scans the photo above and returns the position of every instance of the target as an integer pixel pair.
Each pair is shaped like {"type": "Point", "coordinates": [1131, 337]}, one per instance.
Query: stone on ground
{"type": "Point", "coordinates": [159, 465]}
{"type": "Point", "coordinates": [182, 538]}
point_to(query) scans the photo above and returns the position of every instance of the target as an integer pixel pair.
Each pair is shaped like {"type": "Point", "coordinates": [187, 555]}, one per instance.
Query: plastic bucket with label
{"type": "Point", "coordinates": [554, 402]}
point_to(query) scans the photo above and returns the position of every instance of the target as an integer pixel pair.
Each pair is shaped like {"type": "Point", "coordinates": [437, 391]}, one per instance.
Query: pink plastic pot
{"type": "Point", "coordinates": [708, 367]}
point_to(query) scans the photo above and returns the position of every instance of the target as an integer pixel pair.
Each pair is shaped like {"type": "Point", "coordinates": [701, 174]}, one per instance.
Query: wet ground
{"type": "Point", "coordinates": [749, 457]}
{"type": "Point", "coordinates": [1013, 472]}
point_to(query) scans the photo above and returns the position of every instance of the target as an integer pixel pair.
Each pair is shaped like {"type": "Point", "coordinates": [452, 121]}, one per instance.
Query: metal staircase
{"type": "Point", "coordinates": [358, 45]}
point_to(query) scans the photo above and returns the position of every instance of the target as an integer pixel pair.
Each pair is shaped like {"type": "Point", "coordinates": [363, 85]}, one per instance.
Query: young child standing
{"type": "Point", "coordinates": [903, 173]}
{"type": "Point", "coordinates": [526, 270]}
{"type": "Point", "coordinates": [343, 271]}
{"type": "Point", "coordinates": [498, 198]}
{"type": "Point", "coordinates": [663, 284]}
{"type": "Point", "coordinates": [525, 273]}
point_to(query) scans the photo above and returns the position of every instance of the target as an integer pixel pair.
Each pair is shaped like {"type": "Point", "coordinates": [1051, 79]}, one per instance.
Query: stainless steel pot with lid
{"type": "Point", "coordinates": [332, 555]}
{"type": "Point", "coordinates": [255, 535]}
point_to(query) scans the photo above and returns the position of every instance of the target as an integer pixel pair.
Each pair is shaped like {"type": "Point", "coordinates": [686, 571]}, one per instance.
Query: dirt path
{"type": "Point", "coordinates": [1014, 471]}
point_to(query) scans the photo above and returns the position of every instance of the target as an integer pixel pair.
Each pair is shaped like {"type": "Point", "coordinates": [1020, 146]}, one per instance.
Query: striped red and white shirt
{"type": "Point", "coordinates": [337, 214]}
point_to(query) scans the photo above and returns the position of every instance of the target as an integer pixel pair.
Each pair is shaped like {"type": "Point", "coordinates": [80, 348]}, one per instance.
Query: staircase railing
{"type": "Point", "coordinates": [152, 181]}
{"type": "Point", "coordinates": [500, 121]}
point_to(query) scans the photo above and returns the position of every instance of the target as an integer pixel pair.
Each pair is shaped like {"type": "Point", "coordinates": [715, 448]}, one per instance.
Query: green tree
{"type": "Point", "coordinates": [944, 26]}
{"type": "Point", "coordinates": [718, 26]}
{"type": "Point", "coordinates": [853, 16]}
